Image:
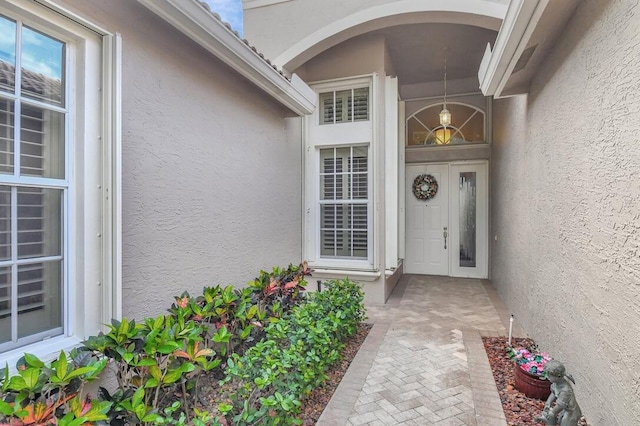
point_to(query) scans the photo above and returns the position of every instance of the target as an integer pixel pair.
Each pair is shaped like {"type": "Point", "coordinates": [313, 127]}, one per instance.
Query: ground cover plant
{"type": "Point", "coordinates": [267, 346]}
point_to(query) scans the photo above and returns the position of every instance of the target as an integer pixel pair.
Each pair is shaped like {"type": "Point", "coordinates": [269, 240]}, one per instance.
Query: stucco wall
{"type": "Point", "coordinates": [362, 55]}
{"type": "Point", "coordinates": [566, 209]}
{"type": "Point", "coordinates": [211, 175]}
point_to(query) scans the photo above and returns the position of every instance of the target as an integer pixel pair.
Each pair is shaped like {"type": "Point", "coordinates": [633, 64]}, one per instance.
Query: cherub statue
{"type": "Point", "coordinates": [566, 411]}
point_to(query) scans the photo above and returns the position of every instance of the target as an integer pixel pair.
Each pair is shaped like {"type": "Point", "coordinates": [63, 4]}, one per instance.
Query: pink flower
{"type": "Point", "coordinates": [528, 362]}
{"type": "Point", "coordinates": [182, 302]}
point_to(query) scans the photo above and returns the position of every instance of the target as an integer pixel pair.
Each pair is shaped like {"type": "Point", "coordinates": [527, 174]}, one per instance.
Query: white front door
{"type": "Point", "coordinates": [448, 234]}
{"type": "Point", "coordinates": [426, 222]}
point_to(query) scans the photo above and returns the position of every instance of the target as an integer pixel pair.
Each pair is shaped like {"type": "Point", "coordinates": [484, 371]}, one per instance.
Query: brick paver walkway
{"type": "Point", "coordinates": [423, 362]}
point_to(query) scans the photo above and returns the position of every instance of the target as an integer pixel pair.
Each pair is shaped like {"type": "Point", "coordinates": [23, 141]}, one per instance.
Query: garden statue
{"type": "Point", "coordinates": [566, 411]}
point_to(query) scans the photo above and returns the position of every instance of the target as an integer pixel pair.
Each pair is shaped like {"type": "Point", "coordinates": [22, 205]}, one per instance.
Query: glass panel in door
{"type": "Point", "coordinates": [467, 218]}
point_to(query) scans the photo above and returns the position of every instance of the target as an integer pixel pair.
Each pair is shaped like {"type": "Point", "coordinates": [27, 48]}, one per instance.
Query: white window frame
{"type": "Point", "coordinates": [347, 176]}
{"type": "Point", "coordinates": [337, 135]}
{"type": "Point", "coordinates": [454, 130]}
{"type": "Point", "coordinates": [92, 218]}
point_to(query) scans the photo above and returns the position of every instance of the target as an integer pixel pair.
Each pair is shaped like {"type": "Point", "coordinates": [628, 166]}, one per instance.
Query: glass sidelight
{"type": "Point", "coordinates": [467, 183]}
{"type": "Point", "coordinates": [468, 226]}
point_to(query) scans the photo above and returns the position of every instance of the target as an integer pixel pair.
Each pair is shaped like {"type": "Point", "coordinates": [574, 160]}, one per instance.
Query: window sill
{"type": "Point", "coordinates": [46, 351]}
{"type": "Point", "coordinates": [356, 274]}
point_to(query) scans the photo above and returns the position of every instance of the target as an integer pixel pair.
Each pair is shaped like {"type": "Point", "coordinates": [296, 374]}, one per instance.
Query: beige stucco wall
{"type": "Point", "coordinates": [362, 55]}
{"type": "Point", "coordinates": [566, 209]}
{"type": "Point", "coordinates": [211, 174]}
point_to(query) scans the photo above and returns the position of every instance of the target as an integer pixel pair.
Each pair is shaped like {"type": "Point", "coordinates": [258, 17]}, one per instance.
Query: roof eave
{"type": "Point", "coordinates": [516, 30]}
{"type": "Point", "coordinates": [196, 22]}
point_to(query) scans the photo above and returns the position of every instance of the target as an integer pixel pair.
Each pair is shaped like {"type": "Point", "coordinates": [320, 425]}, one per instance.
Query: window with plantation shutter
{"type": "Point", "coordinates": [344, 202]}
{"type": "Point", "coordinates": [344, 106]}
{"type": "Point", "coordinates": [338, 184]}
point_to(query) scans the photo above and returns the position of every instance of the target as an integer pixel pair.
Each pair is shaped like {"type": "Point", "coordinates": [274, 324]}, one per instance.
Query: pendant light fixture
{"type": "Point", "coordinates": [445, 115]}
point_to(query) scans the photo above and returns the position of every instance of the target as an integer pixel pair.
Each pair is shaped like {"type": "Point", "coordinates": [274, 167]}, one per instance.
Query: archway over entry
{"type": "Point", "coordinates": [480, 13]}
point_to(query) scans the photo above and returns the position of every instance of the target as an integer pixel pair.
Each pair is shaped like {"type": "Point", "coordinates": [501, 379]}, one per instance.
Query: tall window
{"type": "Point", "coordinates": [59, 179]}
{"type": "Point", "coordinates": [338, 170]}
{"type": "Point", "coordinates": [33, 184]}
{"type": "Point", "coordinates": [344, 202]}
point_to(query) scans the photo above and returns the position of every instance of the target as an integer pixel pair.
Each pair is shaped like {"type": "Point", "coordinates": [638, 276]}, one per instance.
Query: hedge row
{"type": "Point", "coordinates": [272, 377]}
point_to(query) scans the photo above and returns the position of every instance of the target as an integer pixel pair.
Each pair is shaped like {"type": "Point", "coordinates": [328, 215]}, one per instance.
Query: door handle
{"type": "Point", "coordinates": [445, 234]}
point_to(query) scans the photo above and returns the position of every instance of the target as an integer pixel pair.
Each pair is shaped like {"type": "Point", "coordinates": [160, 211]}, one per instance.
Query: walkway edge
{"type": "Point", "coordinates": [341, 405]}
{"type": "Point", "coordinates": [486, 400]}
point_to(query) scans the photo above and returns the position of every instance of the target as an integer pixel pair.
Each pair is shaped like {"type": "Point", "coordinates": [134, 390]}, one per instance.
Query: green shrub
{"type": "Point", "coordinates": [272, 377]}
{"type": "Point", "coordinates": [152, 361]}
{"type": "Point", "coordinates": [40, 393]}
{"type": "Point", "coordinates": [230, 320]}
{"type": "Point", "coordinates": [278, 291]}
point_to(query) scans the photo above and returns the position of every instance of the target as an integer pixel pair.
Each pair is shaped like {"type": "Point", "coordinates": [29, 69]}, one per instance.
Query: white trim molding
{"type": "Point", "coordinates": [338, 135]}
{"type": "Point", "coordinates": [516, 30]}
{"type": "Point", "coordinates": [357, 274]}
{"type": "Point", "coordinates": [199, 24]}
{"type": "Point", "coordinates": [112, 177]}
{"type": "Point", "coordinates": [51, 4]}
{"type": "Point", "coordinates": [391, 167]}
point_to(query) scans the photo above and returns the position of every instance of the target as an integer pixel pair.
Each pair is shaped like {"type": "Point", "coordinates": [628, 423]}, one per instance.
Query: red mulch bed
{"type": "Point", "coordinates": [518, 408]}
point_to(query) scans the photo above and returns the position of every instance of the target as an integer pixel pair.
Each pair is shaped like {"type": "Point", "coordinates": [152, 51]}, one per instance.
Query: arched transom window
{"type": "Point", "coordinates": [467, 126]}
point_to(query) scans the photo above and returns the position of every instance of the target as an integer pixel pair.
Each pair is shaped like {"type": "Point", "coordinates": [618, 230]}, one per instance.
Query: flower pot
{"type": "Point", "coordinates": [530, 385]}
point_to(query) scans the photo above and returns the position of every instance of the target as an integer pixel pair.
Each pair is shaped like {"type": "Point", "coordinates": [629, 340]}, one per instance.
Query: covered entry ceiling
{"type": "Point", "coordinates": [417, 53]}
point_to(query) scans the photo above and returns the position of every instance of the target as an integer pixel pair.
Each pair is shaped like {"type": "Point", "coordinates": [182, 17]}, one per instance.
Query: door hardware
{"type": "Point", "coordinates": [445, 234]}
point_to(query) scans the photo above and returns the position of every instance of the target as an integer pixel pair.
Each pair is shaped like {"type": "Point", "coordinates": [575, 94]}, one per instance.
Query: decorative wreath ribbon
{"type": "Point", "coordinates": [425, 187]}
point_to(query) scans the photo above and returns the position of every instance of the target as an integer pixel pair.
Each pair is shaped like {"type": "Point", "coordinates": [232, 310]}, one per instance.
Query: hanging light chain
{"type": "Point", "coordinates": [445, 79]}
{"type": "Point", "coordinates": [445, 115]}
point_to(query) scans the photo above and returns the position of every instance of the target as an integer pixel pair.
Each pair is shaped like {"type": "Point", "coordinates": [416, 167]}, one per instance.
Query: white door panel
{"type": "Point", "coordinates": [426, 253]}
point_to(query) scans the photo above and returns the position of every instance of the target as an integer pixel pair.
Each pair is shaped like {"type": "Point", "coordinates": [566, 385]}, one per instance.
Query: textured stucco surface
{"type": "Point", "coordinates": [566, 207]}
{"type": "Point", "coordinates": [211, 175]}
{"type": "Point", "coordinates": [360, 56]}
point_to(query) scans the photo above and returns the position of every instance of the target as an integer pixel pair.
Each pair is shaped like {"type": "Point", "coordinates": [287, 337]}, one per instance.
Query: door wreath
{"type": "Point", "coordinates": [425, 187]}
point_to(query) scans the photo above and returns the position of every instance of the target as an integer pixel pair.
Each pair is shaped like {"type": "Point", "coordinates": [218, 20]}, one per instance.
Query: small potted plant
{"type": "Point", "coordinates": [529, 372]}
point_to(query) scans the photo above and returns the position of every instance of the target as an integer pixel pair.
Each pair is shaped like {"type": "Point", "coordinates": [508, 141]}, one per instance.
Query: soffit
{"type": "Point", "coordinates": [418, 50]}
{"type": "Point", "coordinates": [548, 29]}
{"type": "Point", "coordinates": [527, 35]}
